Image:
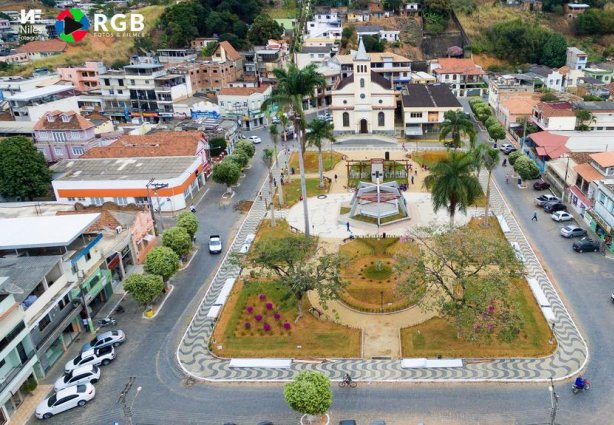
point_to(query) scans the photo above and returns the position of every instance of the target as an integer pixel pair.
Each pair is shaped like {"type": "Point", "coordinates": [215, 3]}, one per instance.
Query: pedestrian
{"type": "Point", "coordinates": [260, 195]}
{"type": "Point", "coordinates": [534, 218]}
{"type": "Point", "coordinates": [412, 179]}
{"type": "Point", "coordinates": [347, 225]}
{"type": "Point", "coordinates": [292, 170]}
{"type": "Point", "coordinates": [507, 178]}
{"type": "Point", "coordinates": [193, 209]}
{"type": "Point", "coordinates": [275, 182]}
{"type": "Point", "coordinates": [335, 178]}
{"type": "Point", "coordinates": [416, 172]}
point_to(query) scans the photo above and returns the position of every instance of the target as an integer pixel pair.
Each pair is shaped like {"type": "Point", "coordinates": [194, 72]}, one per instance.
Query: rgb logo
{"type": "Point", "coordinates": [71, 25]}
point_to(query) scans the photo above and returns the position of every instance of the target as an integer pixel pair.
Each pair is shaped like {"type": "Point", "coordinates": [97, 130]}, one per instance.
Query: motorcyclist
{"type": "Point", "coordinates": [580, 382]}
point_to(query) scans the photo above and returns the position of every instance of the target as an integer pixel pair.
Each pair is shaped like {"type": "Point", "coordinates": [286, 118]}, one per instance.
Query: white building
{"type": "Point", "coordinates": [603, 115]}
{"type": "Point", "coordinates": [365, 101]}
{"type": "Point", "coordinates": [576, 58]}
{"type": "Point", "coordinates": [424, 106]}
{"type": "Point", "coordinates": [33, 104]}
{"type": "Point", "coordinates": [243, 103]}
{"type": "Point", "coordinates": [12, 85]}
{"type": "Point", "coordinates": [316, 55]}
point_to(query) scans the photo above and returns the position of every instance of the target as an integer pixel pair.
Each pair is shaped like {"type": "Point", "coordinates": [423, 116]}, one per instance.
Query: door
{"type": "Point", "coordinates": [22, 353]}
{"type": "Point", "coordinates": [65, 403]}
{"type": "Point", "coordinates": [363, 126]}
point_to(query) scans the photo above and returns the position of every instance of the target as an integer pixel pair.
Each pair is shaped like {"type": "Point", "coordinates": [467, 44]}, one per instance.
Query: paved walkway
{"type": "Point", "coordinates": [570, 356]}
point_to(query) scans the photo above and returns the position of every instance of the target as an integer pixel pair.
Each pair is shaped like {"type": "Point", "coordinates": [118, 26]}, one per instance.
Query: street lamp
{"type": "Point", "coordinates": [554, 401]}
{"type": "Point", "coordinates": [151, 183]}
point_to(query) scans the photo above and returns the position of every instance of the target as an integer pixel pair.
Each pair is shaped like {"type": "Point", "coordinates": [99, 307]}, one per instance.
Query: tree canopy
{"type": "Point", "coordinates": [455, 124]}
{"type": "Point", "coordinates": [217, 145]}
{"type": "Point", "coordinates": [319, 130]}
{"type": "Point", "coordinates": [246, 147]}
{"type": "Point", "coordinates": [144, 288]}
{"type": "Point", "coordinates": [226, 172]}
{"type": "Point", "coordinates": [239, 157]}
{"type": "Point", "coordinates": [177, 239]}
{"type": "Point", "coordinates": [162, 261]}
{"type": "Point", "coordinates": [309, 393]}
{"type": "Point", "coordinates": [188, 221]}
{"type": "Point", "coordinates": [23, 172]}
{"type": "Point", "coordinates": [595, 22]}
{"type": "Point", "coordinates": [373, 43]}
{"type": "Point", "coordinates": [263, 29]}
{"type": "Point", "coordinates": [526, 168]}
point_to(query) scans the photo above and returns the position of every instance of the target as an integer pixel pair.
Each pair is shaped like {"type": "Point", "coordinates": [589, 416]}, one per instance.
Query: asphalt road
{"type": "Point", "coordinates": [149, 354]}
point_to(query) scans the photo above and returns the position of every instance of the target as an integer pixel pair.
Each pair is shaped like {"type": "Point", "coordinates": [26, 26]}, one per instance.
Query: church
{"type": "Point", "coordinates": [364, 102]}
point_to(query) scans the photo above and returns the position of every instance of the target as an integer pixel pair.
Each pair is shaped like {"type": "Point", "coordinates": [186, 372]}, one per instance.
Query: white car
{"type": "Point", "coordinates": [215, 244]}
{"type": "Point", "coordinates": [66, 399]}
{"type": "Point", "coordinates": [541, 200]}
{"type": "Point", "coordinates": [561, 216]}
{"type": "Point", "coordinates": [96, 356]}
{"type": "Point", "coordinates": [80, 375]}
{"type": "Point", "coordinates": [114, 338]}
{"type": "Point", "coordinates": [248, 242]}
{"type": "Point", "coordinates": [255, 140]}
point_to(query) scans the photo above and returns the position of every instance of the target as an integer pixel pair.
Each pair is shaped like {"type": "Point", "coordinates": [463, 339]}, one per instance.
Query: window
{"type": "Point", "coordinates": [381, 119]}
{"type": "Point", "coordinates": [121, 201]}
{"type": "Point", "coordinates": [416, 115]}
{"type": "Point", "coordinates": [97, 201]}
{"type": "Point", "coordinates": [601, 198]}
{"type": "Point", "coordinates": [362, 95]}
{"type": "Point", "coordinates": [140, 200]}
{"type": "Point", "coordinates": [58, 150]}
{"type": "Point", "coordinates": [4, 342]}
{"type": "Point", "coordinates": [362, 83]}
{"type": "Point", "coordinates": [78, 150]}
{"type": "Point", "coordinates": [64, 302]}
{"type": "Point", "coordinates": [120, 91]}
{"type": "Point", "coordinates": [132, 82]}
{"type": "Point", "coordinates": [345, 102]}
{"type": "Point", "coordinates": [107, 82]}
{"type": "Point", "coordinates": [81, 199]}
{"type": "Point", "coordinates": [346, 119]}
{"type": "Point", "coordinates": [44, 323]}
{"type": "Point", "coordinates": [120, 82]}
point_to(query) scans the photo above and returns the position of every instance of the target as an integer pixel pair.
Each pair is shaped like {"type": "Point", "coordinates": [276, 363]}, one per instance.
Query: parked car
{"type": "Point", "coordinates": [561, 216]}
{"type": "Point", "coordinates": [552, 207]}
{"type": "Point", "coordinates": [507, 149]}
{"type": "Point", "coordinates": [572, 231]}
{"type": "Point", "coordinates": [586, 245]}
{"type": "Point", "coordinates": [66, 399]}
{"type": "Point", "coordinates": [97, 356]}
{"type": "Point", "coordinates": [541, 185]}
{"type": "Point", "coordinates": [255, 140]}
{"type": "Point", "coordinates": [80, 375]}
{"type": "Point", "coordinates": [275, 120]}
{"type": "Point", "coordinates": [541, 200]}
{"type": "Point", "coordinates": [215, 244]}
{"type": "Point", "coordinates": [114, 338]}
{"type": "Point", "coordinates": [347, 422]}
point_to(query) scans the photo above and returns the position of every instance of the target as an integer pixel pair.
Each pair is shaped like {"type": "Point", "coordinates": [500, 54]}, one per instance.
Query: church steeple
{"type": "Point", "coordinates": [362, 54]}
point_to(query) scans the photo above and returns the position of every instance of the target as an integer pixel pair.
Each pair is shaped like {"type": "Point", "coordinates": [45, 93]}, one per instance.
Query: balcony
{"type": "Point", "coordinates": [8, 378]}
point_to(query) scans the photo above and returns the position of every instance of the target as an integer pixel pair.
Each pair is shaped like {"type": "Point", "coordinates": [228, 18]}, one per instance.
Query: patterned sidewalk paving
{"type": "Point", "coordinates": [570, 356]}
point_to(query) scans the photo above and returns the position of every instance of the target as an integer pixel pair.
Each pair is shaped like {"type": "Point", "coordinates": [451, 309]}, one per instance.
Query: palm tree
{"type": "Point", "coordinates": [317, 131]}
{"type": "Point", "coordinates": [457, 123]}
{"type": "Point", "coordinates": [284, 122]}
{"type": "Point", "coordinates": [294, 84]}
{"type": "Point", "coordinates": [453, 184]}
{"type": "Point", "coordinates": [268, 156]}
{"type": "Point", "coordinates": [490, 160]}
{"type": "Point", "coordinates": [275, 136]}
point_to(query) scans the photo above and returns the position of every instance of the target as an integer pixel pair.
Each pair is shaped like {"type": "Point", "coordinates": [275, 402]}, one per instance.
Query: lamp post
{"type": "Point", "coordinates": [565, 179]}
{"type": "Point", "coordinates": [151, 184]}
{"type": "Point", "coordinates": [554, 401]}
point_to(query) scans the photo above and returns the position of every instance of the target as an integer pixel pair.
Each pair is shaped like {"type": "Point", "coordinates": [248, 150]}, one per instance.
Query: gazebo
{"type": "Point", "coordinates": [378, 200]}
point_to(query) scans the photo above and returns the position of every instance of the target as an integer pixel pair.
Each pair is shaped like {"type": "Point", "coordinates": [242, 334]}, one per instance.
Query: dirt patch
{"type": "Point", "coordinates": [243, 206]}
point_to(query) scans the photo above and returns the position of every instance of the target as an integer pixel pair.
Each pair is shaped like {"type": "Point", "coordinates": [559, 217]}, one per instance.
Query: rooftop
{"type": "Point", "coordinates": [316, 49]}
{"type": "Point", "coordinates": [230, 51]}
{"type": "Point", "coordinates": [596, 106]}
{"type": "Point", "coordinates": [375, 57]}
{"type": "Point", "coordinates": [40, 92]}
{"type": "Point", "coordinates": [20, 275]}
{"type": "Point", "coordinates": [588, 172]}
{"type": "Point", "coordinates": [368, 28]}
{"type": "Point", "coordinates": [122, 168]}
{"type": "Point", "coordinates": [549, 144]}
{"type": "Point", "coordinates": [604, 159]}
{"type": "Point", "coordinates": [375, 78]}
{"type": "Point", "coordinates": [429, 96]}
{"type": "Point", "coordinates": [520, 104]}
{"type": "Point", "coordinates": [555, 109]}
{"type": "Point", "coordinates": [51, 45]}
{"type": "Point", "coordinates": [457, 66]}
{"type": "Point", "coordinates": [44, 231]}
{"type": "Point", "coordinates": [158, 144]}
{"type": "Point", "coordinates": [243, 91]}
{"type": "Point", "coordinates": [75, 121]}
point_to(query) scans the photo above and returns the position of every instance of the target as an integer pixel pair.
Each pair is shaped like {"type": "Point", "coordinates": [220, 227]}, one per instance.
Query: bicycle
{"type": "Point", "coordinates": [347, 382]}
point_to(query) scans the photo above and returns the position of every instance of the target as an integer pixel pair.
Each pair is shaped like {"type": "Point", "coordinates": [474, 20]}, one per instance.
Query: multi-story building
{"type": "Point", "coordinates": [516, 108]}
{"type": "Point", "coordinates": [200, 42]}
{"type": "Point", "coordinates": [464, 77]}
{"type": "Point", "coordinates": [554, 116]}
{"type": "Point", "coordinates": [31, 105]}
{"type": "Point", "coordinates": [175, 56]}
{"type": "Point", "coordinates": [273, 56]}
{"type": "Point", "coordinates": [324, 25]}
{"type": "Point", "coordinates": [389, 35]}
{"type": "Point", "coordinates": [603, 72]}
{"type": "Point", "coordinates": [83, 78]}
{"type": "Point", "coordinates": [424, 107]}
{"type": "Point", "coordinates": [244, 103]}
{"type": "Point", "coordinates": [39, 49]}
{"type": "Point", "coordinates": [602, 115]}
{"type": "Point", "coordinates": [223, 67]}
{"type": "Point", "coordinates": [13, 57]}
{"type": "Point", "coordinates": [576, 58]}
{"type": "Point", "coordinates": [316, 55]}
{"type": "Point", "coordinates": [505, 85]}
{"type": "Point", "coordinates": [12, 85]}
{"type": "Point", "coordinates": [393, 67]}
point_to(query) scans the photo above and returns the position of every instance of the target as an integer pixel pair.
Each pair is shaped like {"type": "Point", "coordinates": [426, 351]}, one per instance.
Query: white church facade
{"type": "Point", "coordinates": [364, 102]}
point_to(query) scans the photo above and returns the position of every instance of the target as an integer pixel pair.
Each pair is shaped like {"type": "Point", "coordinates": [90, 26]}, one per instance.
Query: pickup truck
{"type": "Point", "coordinates": [215, 244]}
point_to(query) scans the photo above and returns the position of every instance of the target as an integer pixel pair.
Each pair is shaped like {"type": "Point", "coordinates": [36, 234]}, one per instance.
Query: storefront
{"type": "Point", "coordinates": [600, 227]}
{"type": "Point", "coordinates": [98, 289]}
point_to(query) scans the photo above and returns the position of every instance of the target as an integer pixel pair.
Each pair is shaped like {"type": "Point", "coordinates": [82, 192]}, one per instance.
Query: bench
{"type": "Point", "coordinates": [505, 228]}
{"type": "Point", "coordinates": [419, 363]}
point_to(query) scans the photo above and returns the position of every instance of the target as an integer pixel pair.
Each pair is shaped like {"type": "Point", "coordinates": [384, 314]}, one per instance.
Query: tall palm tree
{"type": "Point", "coordinates": [268, 157]}
{"type": "Point", "coordinates": [317, 131]}
{"type": "Point", "coordinates": [274, 131]}
{"type": "Point", "coordinates": [490, 161]}
{"type": "Point", "coordinates": [284, 123]}
{"type": "Point", "coordinates": [457, 123]}
{"type": "Point", "coordinates": [453, 184]}
{"type": "Point", "coordinates": [294, 84]}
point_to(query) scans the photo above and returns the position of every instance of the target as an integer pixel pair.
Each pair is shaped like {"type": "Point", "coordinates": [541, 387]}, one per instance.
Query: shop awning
{"type": "Point", "coordinates": [413, 130]}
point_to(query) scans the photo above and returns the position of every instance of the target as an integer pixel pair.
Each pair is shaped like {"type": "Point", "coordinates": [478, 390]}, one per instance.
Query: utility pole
{"type": "Point", "coordinates": [554, 400]}
{"type": "Point", "coordinates": [127, 407]}
{"type": "Point", "coordinates": [524, 135]}
{"type": "Point", "coordinates": [155, 187]}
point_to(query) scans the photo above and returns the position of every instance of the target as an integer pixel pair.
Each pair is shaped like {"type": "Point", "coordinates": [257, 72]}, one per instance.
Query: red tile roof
{"type": "Point", "coordinates": [162, 143]}
{"type": "Point", "coordinates": [555, 109]}
{"type": "Point", "coordinates": [106, 221]}
{"type": "Point", "coordinates": [375, 7]}
{"type": "Point", "coordinates": [76, 121]}
{"type": "Point", "coordinates": [51, 45]}
{"type": "Point", "coordinates": [457, 66]}
{"type": "Point", "coordinates": [230, 51]}
{"type": "Point", "coordinates": [604, 159]}
{"type": "Point", "coordinates": [548, 144]}
{"type": "Point", "coordinates": [242, 91]}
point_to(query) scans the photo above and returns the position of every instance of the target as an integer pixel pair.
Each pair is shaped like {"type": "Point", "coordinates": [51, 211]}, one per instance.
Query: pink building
{"type": "Point", "coordinates": [64, 135]}
{"type": "Point", "coordinates": [143, 235]}
{"type": "Point", "coordinates": [84, 78]}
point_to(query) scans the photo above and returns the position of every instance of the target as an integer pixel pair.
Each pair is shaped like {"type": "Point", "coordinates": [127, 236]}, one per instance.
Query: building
{"type": "Point", "coordinates": [516, 108]}
{"type": "Point", "coordinates": [464, 77]}
{"type": "Point", "coordinates": [64, 135]}
{"type": "Point", "coordinates": [355, 16]}
{"type": "Point", "coordinates": [268, 59]}
{"type": "Point", "coordinates": [31, 105]}
{"type": "Point", "coordinates": [509, 84]}
{"type": "Point", "coordinates": [200, 42]}
{"type": "Point", "coordinates": [576, 58]}
{"type": "Point", "coordinates": [554, 116]}
{"type": "Point", "coordinates": [424, 107]}
{"type": "Point", "coordinates": [40, 49]}
{"type": "Point", "coordinates": [13, 57]}
{"type": "Point", "coordinates": [363, 102]}
{"type": "Point", "coordinates": [12, 85]}
{"type": "Point", "coordinates": [601, 72]}
{"type": "Point", "coordinates": [376, 10]}
{"type": "Point", "coordinates": [324, 25]}
{"type": "Point", "coordinates": [244, 103]}
{"type": "Point", "coordinates": [574, 9]}
{"type": "Point", "coordinates": [316, 55]}
{"type": "Point", "coordinates": [421, 77]}
{"type": "Point", "coordinates": [175, 56]}
{"type": "Point", "coordinates": [223, 67]}
{"type": "Point", "coordinates": [393, 67]}
{"type": "Point", "coordinates": [411, 9]}
{"type": "Point", "coordinates": [602, 115]}
{"type": "Point", "coordinates": [83, 78]}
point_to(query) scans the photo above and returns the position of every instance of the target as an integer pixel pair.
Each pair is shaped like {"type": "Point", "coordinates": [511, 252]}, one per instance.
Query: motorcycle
{"type": "Point", "coordinates": [109, 321]}
{"type": "Point", "coordinates": [575, 389]}
{"type": "Point", "coordinates": [612, 297]}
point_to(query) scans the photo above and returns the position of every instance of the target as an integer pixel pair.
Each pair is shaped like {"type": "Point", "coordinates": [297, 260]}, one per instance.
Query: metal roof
{"type": "Point", "coordinates": [40, 92]}
{"type": "Point", "coordinates": [20, 275]}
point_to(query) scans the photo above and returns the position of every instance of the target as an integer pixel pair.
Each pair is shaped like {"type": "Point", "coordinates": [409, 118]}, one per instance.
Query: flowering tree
{"type": "Point", "coordinates": [473, 275]}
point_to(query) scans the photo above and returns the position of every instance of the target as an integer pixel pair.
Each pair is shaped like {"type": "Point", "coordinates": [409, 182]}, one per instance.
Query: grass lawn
{"type": "Point", "coordinates": [311, 161]}
{"type": "Point", "coordinates": [292, 190]}
{"type": "Point", "coordinates": [438, 336]}
{"type": "Point", "coordinates": [384, 220]}
{"type": "Point", "coordinates": [287, 9]}
{"type": "Point", "coordinates": [240, 334]}
{"type": "Point", "coordinates": [429, 158]}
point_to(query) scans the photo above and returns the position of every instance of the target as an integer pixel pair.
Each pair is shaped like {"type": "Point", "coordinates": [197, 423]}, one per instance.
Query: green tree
{"type": "Point", "coordinates": [177, 239]}
{"type": "Point", "coordinates": [24, 172]}
{"type": "Point", "coordinates": [182, 22]}
{"type": "Point", "coordinates": [526, 168]}
{"type": "Point", "coordinates": [268, 156]}
{"type": "Point", "coordinates": [162, 261]}
{"type": "Point", "coordinates": [455, 124]}
{"type": "Point", "coordinates": [490, 121]}
{"type": "Point", "coordinates": [392, 5]}
{"type": "Point", "coordinates": [347, 35]}
{"type": "Point", "coordinates": [317, 131]}
{"type": "Point", "coordinates": [263, 29]}
{"type": "Point", "coordinates": [290, 260]}
{"type": "Point", "coordinates": [309, 393]}
{"type": "Point", "coordinates": [482, 112]}
{"type": "Point", "coordinates": [554, 50]}
{"type": "Point", "coordinates": [239, 157]}
{"type": "Point", "coordinates": [475, 273]}
{"type": "Point", "coordinates": [583, 117]}
{"type": "Point", "coordinates": [144, 288]}
{"type": "Point", "coordinates": [452, 184]}
{"type": "Point", "coordinates": [226, 172]}
{"type": "Point", "coordinates": [440, 7]}
{"type": "Point", "coordinates": [496, 132]}
{"type": "Point", "coordinates": [294, 84]}
{"type": "Point", "coordinates": [512, 157]}
{"type": "Point", "coordinates": [218, 145]}
{"type": "Point", "coordinates": [588, 23]}
{"type": "Point", "coordinates": [246, 147]}
{"type": "Point", "coordinates": [188, 221]}
{"type": "Point", "coordinates": [208, 50]}
{"type": "Point", "coordinates": [373, 43]}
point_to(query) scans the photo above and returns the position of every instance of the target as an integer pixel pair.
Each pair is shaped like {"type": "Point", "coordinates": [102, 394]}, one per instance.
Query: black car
{"type": "Point", "coordinates": [541, 185]}
{"type": "Point", "coordinates": [551, 207]}
{"type": "Point", "coordinates": [586, 245]}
